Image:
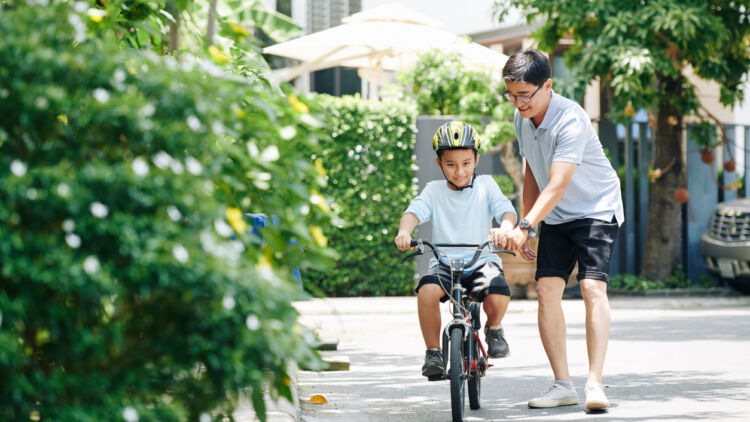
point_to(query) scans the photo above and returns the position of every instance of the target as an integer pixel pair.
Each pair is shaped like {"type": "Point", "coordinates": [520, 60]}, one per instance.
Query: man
{"type": "Point", "coordinates": [570, 188]}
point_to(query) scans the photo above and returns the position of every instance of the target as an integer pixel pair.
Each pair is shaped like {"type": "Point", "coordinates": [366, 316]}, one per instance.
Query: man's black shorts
{"type": "Point", "coordinates": [485, 279]}
{"type": "Point", "coordinates": [587, 241]}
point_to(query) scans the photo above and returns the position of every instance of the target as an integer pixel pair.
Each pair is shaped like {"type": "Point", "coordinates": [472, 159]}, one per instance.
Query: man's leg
{"type": "Point", "coordinates": [597, 325]}
{"type": "Point", "coordinates": [551, 322]}
{"type": "Point", "coordinates": [428, 309]}
{"type": "Point", "coordinates": [552, 332]}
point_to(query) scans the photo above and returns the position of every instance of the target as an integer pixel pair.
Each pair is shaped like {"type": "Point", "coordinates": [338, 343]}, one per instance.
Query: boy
{"type": "Point", "coordinates": [571, 187]}
{"type": "Point", "coordinates": [461, 211]}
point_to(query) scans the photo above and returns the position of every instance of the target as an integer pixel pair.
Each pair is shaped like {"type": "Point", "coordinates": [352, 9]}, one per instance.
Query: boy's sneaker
{"type": "Point", "coordinates": [595, 398]}
{"type": "Point", "coordinates": [557, 395]}
{"type": "Point", "coordinates": [433, 364]}
{"type": "Point", "coordinates": [497, 347]}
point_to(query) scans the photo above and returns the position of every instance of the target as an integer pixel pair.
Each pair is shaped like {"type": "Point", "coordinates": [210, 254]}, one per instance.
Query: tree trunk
{"type": "Point", "coordinates": [663, 242]}
{"type": "Point", "coordinates": [211, 30]}
{"type": "Point", "coordinates": [174, 27]}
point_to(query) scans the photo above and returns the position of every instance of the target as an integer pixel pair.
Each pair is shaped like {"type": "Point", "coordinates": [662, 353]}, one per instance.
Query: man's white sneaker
{"type": "Point", "coordinates": [557, 395]}
{"type": "Point", "coordinates": [595, 398]}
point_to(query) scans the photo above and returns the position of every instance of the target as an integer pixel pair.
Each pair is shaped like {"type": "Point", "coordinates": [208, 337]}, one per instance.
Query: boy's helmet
{"type": "Point", "coordinates": [455, 134]}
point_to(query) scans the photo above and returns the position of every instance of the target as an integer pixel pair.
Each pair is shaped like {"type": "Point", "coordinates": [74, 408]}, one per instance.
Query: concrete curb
{"type": "Point", "coordinates": [408, 304]}
{"type": "Point", "coordinates": [276, 411]}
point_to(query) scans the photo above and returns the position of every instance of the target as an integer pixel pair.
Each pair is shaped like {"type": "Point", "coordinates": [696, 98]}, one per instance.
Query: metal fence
{"type": "Point", "coordinates": [632, 148]}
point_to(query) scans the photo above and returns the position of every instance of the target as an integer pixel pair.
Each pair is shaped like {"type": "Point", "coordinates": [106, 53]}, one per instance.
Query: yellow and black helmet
{"type": "Point", "coordinates": [455, 134]}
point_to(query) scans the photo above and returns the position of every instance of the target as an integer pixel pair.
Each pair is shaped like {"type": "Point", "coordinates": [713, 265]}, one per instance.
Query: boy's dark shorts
{"type": "Point", "coordinates": [587, 241]}
{"type": "Point", "coordinates": [485, 279]}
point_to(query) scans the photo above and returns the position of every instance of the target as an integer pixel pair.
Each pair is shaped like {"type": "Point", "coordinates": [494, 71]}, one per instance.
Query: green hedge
{"type": "Point", "coordinates": [130, 284]}
{"type": "Point", "coordinates": [370, 168]}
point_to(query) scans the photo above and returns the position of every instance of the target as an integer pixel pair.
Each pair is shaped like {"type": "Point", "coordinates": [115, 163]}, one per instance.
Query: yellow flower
{"type": "Point", "coordinates": [63, 118]}
{"type": "Point", "coordinates": [318, 236]}
{"type": "Point", "coordinates": [217, 54]}
{"type": "Point", "coordinates": [97, 15]}
{"type": "Point", "coordinates": [319, 200]}
{"type": "Point", "coordinates": [239, 29]}
{"type": "Point", "coordinates": [234, 215]}
{"type": "Point", "coordinates": [265, 260]}
{"type": "Point", "coordinates": [319, 167]}
{"type": "Point", "coordinates": [240, 113]}
{"type": "Point", "coordinates": [297, 104]}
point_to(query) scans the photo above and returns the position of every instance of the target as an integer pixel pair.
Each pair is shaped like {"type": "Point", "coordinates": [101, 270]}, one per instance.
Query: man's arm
{"type": "Point", "coordinates": [530, 190]}
{"type": "Point", "coordinates": [537, 205]}
{"type": "Point", "coordinates": [407, 224]}
{"type": "Point", "coordinates": [560, 174]}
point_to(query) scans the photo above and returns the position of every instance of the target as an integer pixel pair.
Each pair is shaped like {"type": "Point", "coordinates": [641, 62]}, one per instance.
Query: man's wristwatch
{"type": "Point", "coordinates": [526, 225]}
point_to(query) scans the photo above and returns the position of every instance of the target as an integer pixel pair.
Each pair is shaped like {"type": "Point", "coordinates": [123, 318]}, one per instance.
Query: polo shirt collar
{"type": "Point", "coordinates": [551, 110]}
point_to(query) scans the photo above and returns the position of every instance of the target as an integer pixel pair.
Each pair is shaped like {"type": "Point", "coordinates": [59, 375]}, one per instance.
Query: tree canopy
{"type": "Point", "coordinates": [643, 51]}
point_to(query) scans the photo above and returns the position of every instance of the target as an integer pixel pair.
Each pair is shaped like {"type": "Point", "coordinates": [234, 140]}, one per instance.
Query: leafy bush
{"type": "Point", "coordinates": [131, 286]}
{"type": "Point", "coordinates": [370, 165]}
{"type": "Point", "coordinates": [634, 282]}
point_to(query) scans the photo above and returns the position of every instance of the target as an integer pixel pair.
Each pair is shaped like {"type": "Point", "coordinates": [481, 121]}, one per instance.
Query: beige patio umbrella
{"type": "Point", "coordinates": [388, 37]}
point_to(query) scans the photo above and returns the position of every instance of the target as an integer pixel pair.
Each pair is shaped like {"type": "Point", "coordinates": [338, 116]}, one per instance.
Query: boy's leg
{"type": "Point", "coordinates": [429, 294]}
{"type": "Point", "coordinates": [495, 305]}
{"type": "Point", "coordinates": [488, 284]}
{"type": "Point", "coordinates": [428, 309]}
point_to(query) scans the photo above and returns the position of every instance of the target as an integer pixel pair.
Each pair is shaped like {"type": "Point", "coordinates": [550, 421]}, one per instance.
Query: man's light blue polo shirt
{"type": "Point", "coordinates": [567, 135]}
{"type": "Point", "coordinates": [462, 216]}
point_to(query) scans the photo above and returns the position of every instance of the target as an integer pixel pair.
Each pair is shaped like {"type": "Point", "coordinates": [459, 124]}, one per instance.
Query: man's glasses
{"type": "Point", "coordinates": [521, 99]}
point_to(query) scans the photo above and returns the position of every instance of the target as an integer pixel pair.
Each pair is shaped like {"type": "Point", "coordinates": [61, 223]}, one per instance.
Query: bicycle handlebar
{"type": "Point", "coordinates": [435, 249]}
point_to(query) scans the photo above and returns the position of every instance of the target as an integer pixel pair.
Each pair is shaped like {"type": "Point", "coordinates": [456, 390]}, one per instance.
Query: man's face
{"type": "Point", "coordinates": [530, 100]}
{"type": "Point", "coordinates": [458, 166]}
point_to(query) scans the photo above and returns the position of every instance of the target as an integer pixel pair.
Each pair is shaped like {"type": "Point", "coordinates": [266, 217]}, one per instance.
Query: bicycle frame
{"type": "Point", "coordinates": [460, 347]}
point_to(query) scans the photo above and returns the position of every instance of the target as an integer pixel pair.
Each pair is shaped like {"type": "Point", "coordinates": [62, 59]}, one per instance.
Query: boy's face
{"type": "Point", "coordinates": [458, 166]}
{"type": "Point", "coordinates": [530, 100]}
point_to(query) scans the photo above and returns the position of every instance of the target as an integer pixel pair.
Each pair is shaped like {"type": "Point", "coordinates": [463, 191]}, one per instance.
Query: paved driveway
{"type": "Point", "coordinates": [668, 359]}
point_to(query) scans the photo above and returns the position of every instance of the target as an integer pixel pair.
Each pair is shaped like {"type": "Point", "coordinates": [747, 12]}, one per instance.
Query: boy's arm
{"type": "Point", "coordinates": [407, 224]}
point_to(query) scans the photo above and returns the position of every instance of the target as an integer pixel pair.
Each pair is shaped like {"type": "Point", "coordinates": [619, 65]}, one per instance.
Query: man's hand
{"type": "Point", "coordinates": [517, 238]}
{"type": "Point", "coordinates": [403, 241]}
{"type": "Point", "coordinates": [526, 252]}
{"type": "Point", "coordinates": [499, 236]}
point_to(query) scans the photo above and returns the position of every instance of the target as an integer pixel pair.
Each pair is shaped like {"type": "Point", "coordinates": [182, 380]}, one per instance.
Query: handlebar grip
{"type": "Point", "coordinates": [414, 243]}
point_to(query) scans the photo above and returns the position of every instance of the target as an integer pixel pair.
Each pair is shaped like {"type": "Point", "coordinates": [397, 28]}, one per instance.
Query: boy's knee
{"type": "Point", "coordinates": [430, 292]}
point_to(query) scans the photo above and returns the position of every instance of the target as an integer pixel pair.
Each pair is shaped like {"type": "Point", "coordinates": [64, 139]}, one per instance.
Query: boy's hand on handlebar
{"type": "Point", "coordinates": [499, 237]}
{"type": "Point", "coordinates": [403, 241]}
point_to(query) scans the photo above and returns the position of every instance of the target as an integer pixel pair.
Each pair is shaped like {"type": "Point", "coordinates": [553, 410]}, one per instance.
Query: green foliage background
{"type": "Point", "coordinates": [123, 287]}
{"type": "Point", "coordinates": [370, 166]}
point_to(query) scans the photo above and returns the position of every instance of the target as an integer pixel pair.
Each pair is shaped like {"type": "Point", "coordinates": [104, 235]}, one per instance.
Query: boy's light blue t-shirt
{"type": "Point", "coordinates": [462, 216]}
{"type": "Point", "coordinates": [567, 135]}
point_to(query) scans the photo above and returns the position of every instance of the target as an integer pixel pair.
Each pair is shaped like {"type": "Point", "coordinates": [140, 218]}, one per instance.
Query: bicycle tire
{"type": "Point", "coordinates": [475, 378]}
{"type": "Point", "coordinates": [456, 373]}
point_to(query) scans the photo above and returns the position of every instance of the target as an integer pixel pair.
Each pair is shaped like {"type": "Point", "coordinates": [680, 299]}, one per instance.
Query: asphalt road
{"type": "Point", "coordinates": [668, 359]}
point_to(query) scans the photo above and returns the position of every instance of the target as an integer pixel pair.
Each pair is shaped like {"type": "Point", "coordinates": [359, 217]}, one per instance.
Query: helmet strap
{"type": "Point", "coordinates": [470, 185]}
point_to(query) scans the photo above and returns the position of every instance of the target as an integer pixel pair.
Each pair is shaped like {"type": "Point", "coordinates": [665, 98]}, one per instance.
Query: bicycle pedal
{"type": "Point", "coordinates": [440, 377]}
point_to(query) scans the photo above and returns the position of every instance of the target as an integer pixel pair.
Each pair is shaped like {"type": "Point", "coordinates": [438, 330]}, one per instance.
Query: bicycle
{"type": "Point", "coordinates": [461, 346]}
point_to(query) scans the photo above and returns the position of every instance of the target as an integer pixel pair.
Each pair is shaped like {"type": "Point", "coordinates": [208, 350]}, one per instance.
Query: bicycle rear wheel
{"type": "Point", "coordinates": [475, 378]}
{"type": "Point", "coordinates": [456, 373]}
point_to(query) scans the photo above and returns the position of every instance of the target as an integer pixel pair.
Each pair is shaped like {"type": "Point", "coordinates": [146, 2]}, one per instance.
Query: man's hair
{"type": "Point", "coordinates": [528, 66]}
{"type": "Point", "coordinates": [441, 151]}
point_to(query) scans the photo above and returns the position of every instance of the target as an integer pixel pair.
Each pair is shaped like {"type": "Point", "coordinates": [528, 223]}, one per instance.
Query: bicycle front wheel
{"type": "Point", "coordinates": [456, 373]}
{"type": "Point", "coordinates": [475, 379]}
